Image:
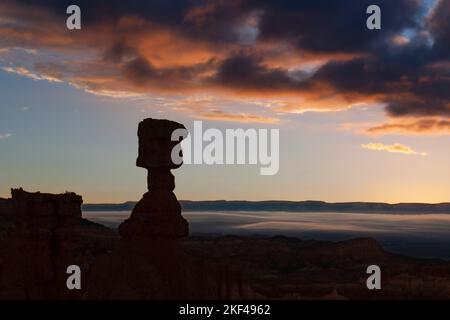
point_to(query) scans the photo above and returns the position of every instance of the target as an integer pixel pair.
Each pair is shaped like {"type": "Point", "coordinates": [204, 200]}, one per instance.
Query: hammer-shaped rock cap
{"type": "Point", "coordinates": [155, 143]}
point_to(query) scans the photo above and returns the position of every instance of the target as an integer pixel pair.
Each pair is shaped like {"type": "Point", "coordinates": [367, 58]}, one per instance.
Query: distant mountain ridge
{"type": "Point", "coordinates": [289, 206]}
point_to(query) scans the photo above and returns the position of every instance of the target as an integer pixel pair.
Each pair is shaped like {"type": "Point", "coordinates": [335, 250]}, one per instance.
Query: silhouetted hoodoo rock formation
{"type": "Point", "coordinates": [151, 263]}
{"type": "Point", "coordinates": [151, 248]}
{"type": "Point", "coordinates": [158, 214]}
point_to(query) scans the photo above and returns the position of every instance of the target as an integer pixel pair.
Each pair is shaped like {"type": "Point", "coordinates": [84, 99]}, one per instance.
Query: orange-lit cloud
{"type": "Point", "coordinates": [413, 126]}
{"type": "Point", "coordinates": [237, 117]}
{"type": "Point", "coordinates": [394, 148]}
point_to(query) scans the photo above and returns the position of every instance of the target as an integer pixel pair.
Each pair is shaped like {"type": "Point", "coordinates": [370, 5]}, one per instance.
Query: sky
{"type": "Point", "coordinates": [364, 115]}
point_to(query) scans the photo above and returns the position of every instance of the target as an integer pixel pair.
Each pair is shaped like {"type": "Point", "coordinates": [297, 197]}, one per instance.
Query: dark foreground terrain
{"type": "Point", "coordinates": [290, 268]}
{"type": "Point", "coordinates": [32, 265]}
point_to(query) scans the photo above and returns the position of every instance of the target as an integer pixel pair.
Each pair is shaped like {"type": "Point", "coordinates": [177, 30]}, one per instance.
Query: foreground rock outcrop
{"type": "Point", "coordinates": [6, 216]}
{"type": "Point", "coordinates": [40, 245]}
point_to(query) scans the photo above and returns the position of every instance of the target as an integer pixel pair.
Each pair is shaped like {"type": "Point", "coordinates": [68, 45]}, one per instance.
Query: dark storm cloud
{"type": "Point", "coordinates": [118, 52]}
{"type": "Point", "coordinates": [407, 89]}
{"type": "Point", "coordinates": [162, 11]}
{"type": "Point", "coordinates": [142, 73]}
{"type": "Point", "coordinates": [428, 107]}
{"type": "Point", "coordinates": [319, 25]}
{"type": "Point", "coordinates": [410, 74]}
{"type": "Point", "coordinates": [315, 25]}
{"type": "Point", "coordinates": [440, 28]}
{"type": "Point", "coordinates": [323, 26]}
{"type": "Point", "coordinates": [387, 72]}
{"type": "Point", "coordinates": [244, 71]}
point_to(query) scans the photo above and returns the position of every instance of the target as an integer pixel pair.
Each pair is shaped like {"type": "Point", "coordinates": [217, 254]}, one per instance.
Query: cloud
{"type": "Point", "coordinates": [237, 117]}
{"type": "Point", "coordinates": [439, 25]}
{"type": "Point", "coordinates": [306, 23]}
{"type": "Point", "coordinates": [29, 74]}
{"type": "Point", "coordinates": [310, 55]}
{"type": "Point", "coordinates": [247, 72]}
{"type": "Point", "coordinates": [5, 135]}
{"type": "Point", "coordinates": [421, 126]}
{"type": "Point", "coordinates": [394, 148]}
